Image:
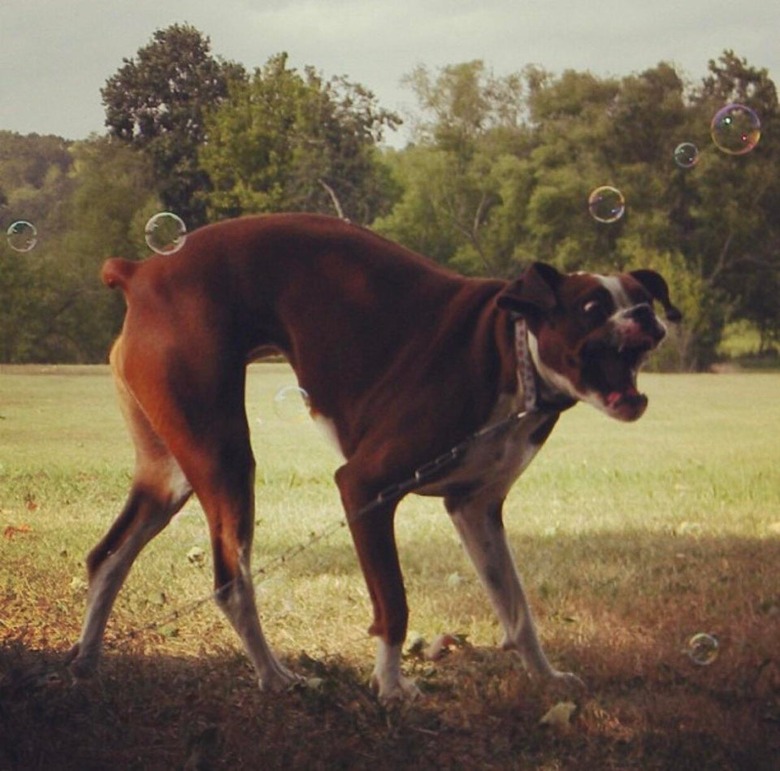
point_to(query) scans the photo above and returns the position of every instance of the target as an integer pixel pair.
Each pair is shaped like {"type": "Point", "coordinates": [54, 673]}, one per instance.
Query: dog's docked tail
{"type": "Point", "coordinates": [117, 272]}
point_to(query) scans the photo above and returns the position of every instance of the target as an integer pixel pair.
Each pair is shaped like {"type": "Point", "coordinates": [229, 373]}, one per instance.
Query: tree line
{"type": "Point", "coordinates": [497, 174]}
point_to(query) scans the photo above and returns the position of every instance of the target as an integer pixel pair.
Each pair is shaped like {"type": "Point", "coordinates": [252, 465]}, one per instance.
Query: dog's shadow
{"type": "Point", "coordinates": [147, 710]}
{"type": "Point", "coordinates": [151, 711]}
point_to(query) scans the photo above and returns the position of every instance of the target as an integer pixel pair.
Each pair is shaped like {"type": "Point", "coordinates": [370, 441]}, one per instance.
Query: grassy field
{"type": "Point", "coordinates": [631, 539]}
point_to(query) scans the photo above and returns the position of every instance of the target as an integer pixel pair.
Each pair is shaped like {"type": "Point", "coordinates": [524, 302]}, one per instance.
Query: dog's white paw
{"type": "Point", "coordinates": [82, 666]}
{"type": "Point", "coordinates": [387, 681]}
{"type": "Point", "coordinates": [279, 679]}
{"type": "Point", "coordinates": [566, 682]}
{"type": "Point", "coordinates": [394, 691]}
{"type": "Point", "coordinates": [537, 666]}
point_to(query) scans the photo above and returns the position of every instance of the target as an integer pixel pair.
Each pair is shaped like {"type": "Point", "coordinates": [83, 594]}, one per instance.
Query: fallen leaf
{"type": "Point", "coordinates": [196, 556]}
{"type": "Point", "coordinates": [559, 717]}
{"type": "Point", "coordinates": [441, 646]}
{"type": "Point", "coordinates": [11, 531]}
{"type": "Point", "coordinates": [78, 585]}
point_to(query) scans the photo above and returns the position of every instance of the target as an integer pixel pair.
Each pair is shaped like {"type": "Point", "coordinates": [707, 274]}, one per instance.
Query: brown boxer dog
{"type": "Point", "coordinates": [403, 359]}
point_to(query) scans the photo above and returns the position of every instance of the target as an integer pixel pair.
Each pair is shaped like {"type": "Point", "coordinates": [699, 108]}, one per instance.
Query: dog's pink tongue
{"type": "Point", "coordinates": [616, 396]}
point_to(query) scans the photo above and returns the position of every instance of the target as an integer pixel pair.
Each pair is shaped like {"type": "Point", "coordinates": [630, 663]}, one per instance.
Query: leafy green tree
{"type": "Point", "coordinates": [26, 161]}
{"type": "Point", "coordinates": [502, 169]}
{"type": "Point", "coordinates": [17, 317]}
{"type": "Point", "coordinates": [419, 219]}
{"type": "Point", "coordinates": [33, 179]}
{"type": "Point", "coordinates": [111, 201]}
{"type": "Point", "coordinates": [290, 141]}
{"type": "Point", "coordinates": [465, 164]}
{"type": "Point", "coordinates": [34, 174]}
{"type": "Point", "coordinates": [54, 307]}
{"type": "Point", "coordinates": [158, 102]}
{"type": "Point", "coordinates": [498, 174]}
{"type": "Point", "coordinates": [463, 103]}
{"type": "Point", "coordinates": [736, 230]}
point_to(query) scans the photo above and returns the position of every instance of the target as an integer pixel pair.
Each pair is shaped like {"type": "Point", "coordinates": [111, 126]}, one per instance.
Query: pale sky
{"type": "Point", "coordinates": [55, 55]}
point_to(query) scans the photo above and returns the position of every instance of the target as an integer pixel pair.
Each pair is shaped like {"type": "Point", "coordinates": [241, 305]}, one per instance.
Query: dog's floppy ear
{"type": "Point", "coordinates": [534, 293]}
{"type": "Point", "coordinates": [658, 288]}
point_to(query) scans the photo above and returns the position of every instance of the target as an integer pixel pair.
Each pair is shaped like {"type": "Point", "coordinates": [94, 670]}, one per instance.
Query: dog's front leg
{"type": "Point", "coordinates": [374, 538]}
{"type": "Point", "coordinates": [480, 526]}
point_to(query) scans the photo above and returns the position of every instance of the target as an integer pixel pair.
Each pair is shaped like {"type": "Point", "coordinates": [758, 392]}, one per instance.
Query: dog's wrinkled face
{"type": "Point", "coordinates": [590, 334]}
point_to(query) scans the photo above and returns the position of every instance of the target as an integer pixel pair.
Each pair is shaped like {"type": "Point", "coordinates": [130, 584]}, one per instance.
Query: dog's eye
{"type": "Point", "coordinates": [595, 312]}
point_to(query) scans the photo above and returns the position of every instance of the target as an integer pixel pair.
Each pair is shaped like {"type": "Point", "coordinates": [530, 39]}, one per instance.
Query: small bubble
{"type": "Point", "coordinates": [22, 236]}
{"type": "Point", "coordinates": [686, 155]}
{"type": "Point", "coordinates": [606, 204]}
{"type": "Point", "coordinates": [703, 649]}
{"type": "Point", "coordinates": [165, 233]}
{"type": "Point", "coordinates": [735, 129]}
{"type": "Point", "coordinates": [291, 404]}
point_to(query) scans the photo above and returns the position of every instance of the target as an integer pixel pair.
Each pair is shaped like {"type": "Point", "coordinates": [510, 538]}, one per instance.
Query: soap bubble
{"type": "Point", "coordinates": [22, 236]}
{"type": "Point", "coordinates": [165, 233]}
{"type": "Point", "coordinates": [735, 129]}
{"type": "Point", "coordinates": [703, 649]}
{"type": "Point", "coordinates": [606, 204]}
{"type": "Point", "coordinates": [686, 155]}
{"type": "Point", "coordinates": [291, 404]}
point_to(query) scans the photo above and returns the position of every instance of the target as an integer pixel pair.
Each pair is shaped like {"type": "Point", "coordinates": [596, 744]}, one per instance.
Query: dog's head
{"type": "Point", "coordinates": [590, 334]}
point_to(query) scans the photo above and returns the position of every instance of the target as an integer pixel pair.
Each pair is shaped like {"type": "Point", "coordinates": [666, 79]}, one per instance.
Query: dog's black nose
{"type": "Point", "coordinates": [642, 313]}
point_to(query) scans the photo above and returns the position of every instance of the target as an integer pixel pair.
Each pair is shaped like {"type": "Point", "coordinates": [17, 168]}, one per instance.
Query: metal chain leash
{"type": "Point", "coordinates": [430, 470]}
{"type": "Point", "coordinates": [425, 473]}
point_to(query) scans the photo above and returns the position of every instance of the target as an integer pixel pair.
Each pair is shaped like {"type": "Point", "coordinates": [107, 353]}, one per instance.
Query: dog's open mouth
{"type": "Point", "coordinates": [611, 372]}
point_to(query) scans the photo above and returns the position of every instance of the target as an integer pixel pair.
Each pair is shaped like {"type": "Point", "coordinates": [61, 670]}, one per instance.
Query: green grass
{"type": "Point", "coordinates": [630, 539]}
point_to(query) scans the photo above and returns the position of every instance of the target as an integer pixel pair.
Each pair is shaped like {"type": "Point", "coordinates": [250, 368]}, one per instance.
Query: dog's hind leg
{"type": "Point", "coordinates": [228, 499]}
{"type": "Point", "coordinates": [480, 526]}
{"type": "Point", "coordinates": [159, 489]}
{"type": "Point", "coordinates": [196, 404]}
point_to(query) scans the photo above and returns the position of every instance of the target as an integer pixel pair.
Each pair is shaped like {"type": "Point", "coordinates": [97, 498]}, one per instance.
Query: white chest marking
{"type": "Point", "coordinates": [497, 460]}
